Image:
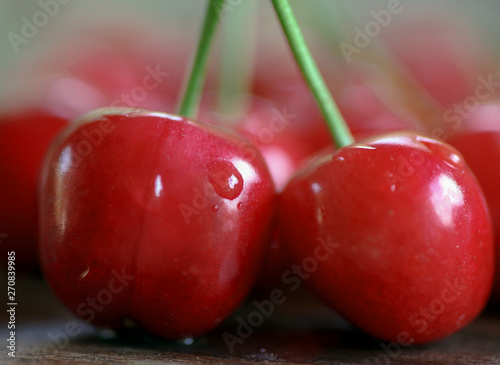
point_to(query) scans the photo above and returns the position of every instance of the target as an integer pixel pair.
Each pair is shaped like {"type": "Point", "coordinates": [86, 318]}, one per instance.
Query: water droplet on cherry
{"type": "Point", "coordinates": [455, 158]}
{"type": "Point", "coordinates": [215, 208]}
{"type": "Point", "coordinates": [226, 179]}
{"type": "Point", "coordinates": [240, 205]}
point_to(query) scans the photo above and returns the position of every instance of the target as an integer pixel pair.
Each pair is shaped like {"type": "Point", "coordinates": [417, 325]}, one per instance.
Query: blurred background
{"type": "Point", "coordinates": [54, 51]}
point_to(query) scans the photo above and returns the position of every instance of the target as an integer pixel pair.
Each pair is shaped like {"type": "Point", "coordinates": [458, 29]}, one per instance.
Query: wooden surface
{"type": "Point", "coordinates": [295, 334]}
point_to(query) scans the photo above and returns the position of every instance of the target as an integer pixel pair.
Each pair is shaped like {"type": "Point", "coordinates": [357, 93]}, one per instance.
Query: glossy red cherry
{"type": "Point", "coordinates": [181, 209]}
{"type": "Point", "coordinates": [24, 138]}
{"type": "Point", "coordinates": [478, 139]}
{"type": "Point", "coordinates": [394, 234]}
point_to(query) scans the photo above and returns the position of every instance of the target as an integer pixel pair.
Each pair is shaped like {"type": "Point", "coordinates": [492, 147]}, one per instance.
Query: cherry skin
{"type": "Point", "coordinates": [24, 138]}
{"type": "Point", "coordinates": [407, 251]}
{"type": "Point", "coordinates": [181, 209]}
{"type": "Point", "coordinates": [478, 139]}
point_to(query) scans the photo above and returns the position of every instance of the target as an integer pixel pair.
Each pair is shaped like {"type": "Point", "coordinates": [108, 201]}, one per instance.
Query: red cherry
{"type": "Point", "coordinates": [409, 251]}
{"type": "Point", "coordinates": [24, 138]}
{"type": "Point", "coordinates": [181, 208]}
{"type": "Point", "coordinates": [478, 140]}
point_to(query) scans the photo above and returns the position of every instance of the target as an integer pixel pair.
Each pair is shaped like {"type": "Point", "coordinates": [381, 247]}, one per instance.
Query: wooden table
{"type": "Point", "coordinates": [295, 334]}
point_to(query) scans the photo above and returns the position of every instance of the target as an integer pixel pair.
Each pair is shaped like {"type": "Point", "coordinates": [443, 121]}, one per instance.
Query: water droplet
{"type": "Point", "coordinates": [240, 206]}
{"type": "Point", "coordinates": [452, 159]}
{"type": "Point", "coordinates": [215, 208]}
{"type": "Point", "coordinates": [455, 158]}
{"type": "Point", "coordinates": [226, 179]}
{"type": "Point", "coordinates": [393, 188]}
{"type": "Point", "coordinates": [316, 188]}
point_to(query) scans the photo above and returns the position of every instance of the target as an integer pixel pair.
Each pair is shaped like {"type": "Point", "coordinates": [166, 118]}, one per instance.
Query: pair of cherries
{"type": "Point", "coordinates": [404, 209]}
{"type": "Point", "coordinates": [186, 212]}
{"type": "Point", "coordinates": [406, 213]}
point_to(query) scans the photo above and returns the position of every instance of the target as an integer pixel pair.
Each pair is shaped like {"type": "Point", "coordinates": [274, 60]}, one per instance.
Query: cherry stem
{"type": "Point", "coordinates": [194, 86]}
{"type": "Point", "coordinates": [338, 128]}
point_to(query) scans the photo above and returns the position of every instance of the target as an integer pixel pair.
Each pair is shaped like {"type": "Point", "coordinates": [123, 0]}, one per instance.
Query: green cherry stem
{"type": "Point", "coordinates": [340, 132]}
{"type": "Point", "coordinates": [194, 86]}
